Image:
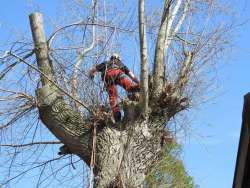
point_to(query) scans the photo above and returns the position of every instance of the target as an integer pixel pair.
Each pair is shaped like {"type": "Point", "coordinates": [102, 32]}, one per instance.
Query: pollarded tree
{"type": "Point", "coordinates": [186, 40]}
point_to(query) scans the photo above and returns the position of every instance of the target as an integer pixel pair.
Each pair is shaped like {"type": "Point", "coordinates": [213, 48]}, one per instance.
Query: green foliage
{"type": "Point", "coordinates": [170, 172]}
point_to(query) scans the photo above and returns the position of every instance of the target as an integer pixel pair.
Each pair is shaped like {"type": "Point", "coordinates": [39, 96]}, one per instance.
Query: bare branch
{"type": "Point", "coordinates": [184, 73]}
{"type": "Point", "coordinates": [17, 116]}
{"type": "Point", "coordinates": [182, 18]}
{"type": "Point", "coordinates": [171, 19]}
{"type": "Point", "coordinates": [32, 168]}
{"type": "Point", "coordinates": [81, 56]}
{"type": "Point", "coordinates": [143, 53]}
{"type": "Point", "coordinates": [4, 55]}
{"type": "Point", "coordinates": [41, 48]}
{"type": "Point", "coordinates": [11, 66]}
{"type": "Point", "coordinates": [158, 72]}
{"type": "Point", "coordinates": [51, 81]}
{"type": "Point", "coordinates": [30, 144]}
{"type": "Point", "coordinates": [79, 23]}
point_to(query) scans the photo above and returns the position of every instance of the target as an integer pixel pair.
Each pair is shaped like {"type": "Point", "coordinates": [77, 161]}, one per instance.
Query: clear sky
{"type": "Point", "coordinates": [210, 153]}
{"type": "Point", "coordinates": [210, 156]}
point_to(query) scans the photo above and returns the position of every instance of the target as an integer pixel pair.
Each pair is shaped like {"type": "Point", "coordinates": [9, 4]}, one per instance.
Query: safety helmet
{"type": "Point", "coordinates": [115, 56]}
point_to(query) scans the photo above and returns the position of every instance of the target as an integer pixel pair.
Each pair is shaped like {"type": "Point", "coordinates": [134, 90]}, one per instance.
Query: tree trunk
{"type": "Point", "coordinates": [124, 157]}
{"type": "Point", "coordinates": [158, 72]}
{"type": "Point", "coordinates": [143, 52]}
{"type": "Point", "coordinates": [41, 49]}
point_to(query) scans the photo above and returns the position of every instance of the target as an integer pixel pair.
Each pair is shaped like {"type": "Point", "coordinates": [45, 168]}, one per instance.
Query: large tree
{"type": "Point", "coordinates": [185, 38]}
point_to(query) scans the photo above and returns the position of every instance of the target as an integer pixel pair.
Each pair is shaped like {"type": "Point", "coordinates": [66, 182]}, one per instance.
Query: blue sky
{"type": "Point", "coordinates": [210, 152]}
{"type": "Point", "coordinates": [211, 157]}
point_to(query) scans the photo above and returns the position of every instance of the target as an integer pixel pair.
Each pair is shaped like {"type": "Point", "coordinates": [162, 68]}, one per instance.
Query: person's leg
{"type": "Point", "coordinates": [128, 85]}
{"type": "Point", "coordinates": [112, 92]}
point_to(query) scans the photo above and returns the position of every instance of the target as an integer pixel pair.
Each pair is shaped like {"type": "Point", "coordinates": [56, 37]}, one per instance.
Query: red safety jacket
{"type": "Point", "coordinates": [112, 70]}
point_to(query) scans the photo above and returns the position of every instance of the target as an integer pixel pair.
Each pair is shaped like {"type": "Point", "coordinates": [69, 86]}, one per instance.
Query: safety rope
{"type": "Point", "coordinates": [93, 153]}
{"type": "Point", "coordinates": [112, 45]}
{"type": "Point", "coordinates": [93, 158]}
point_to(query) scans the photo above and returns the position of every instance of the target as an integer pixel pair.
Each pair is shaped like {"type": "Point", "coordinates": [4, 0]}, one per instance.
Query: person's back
{"type": "Point", "coordinates": [113, 73]}
{"type": "Point", "coordinates": [111, 65]}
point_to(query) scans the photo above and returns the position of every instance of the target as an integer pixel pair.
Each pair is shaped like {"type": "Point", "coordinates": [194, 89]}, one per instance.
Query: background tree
{"type": "Point", "coordinates": [170, 171]}
{"type": "Point", "coordinates": [44, 82]}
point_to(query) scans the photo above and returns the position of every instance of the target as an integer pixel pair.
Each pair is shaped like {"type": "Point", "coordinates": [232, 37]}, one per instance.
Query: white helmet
{"type": "Point", "coordinates": [115, 56]}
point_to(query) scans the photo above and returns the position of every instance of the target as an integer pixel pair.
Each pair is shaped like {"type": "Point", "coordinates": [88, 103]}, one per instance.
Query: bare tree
{"type": "Point", "coordinates": [53, 89]}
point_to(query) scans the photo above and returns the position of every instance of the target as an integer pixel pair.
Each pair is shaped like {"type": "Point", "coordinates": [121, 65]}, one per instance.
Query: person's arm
{"type": "Point", "coordinates": [130, 73]}
{"type": "Point", "coordinates": [97, 68]}
{"type": "Point", "coordinates": [92, 73]}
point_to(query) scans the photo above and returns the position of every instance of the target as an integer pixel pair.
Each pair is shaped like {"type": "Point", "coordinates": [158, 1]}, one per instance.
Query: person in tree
{"type": "Point", "coordinates": [113, 73]}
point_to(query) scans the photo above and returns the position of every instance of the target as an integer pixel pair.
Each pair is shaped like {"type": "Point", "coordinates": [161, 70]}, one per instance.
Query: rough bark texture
{"type": "Point", "coordinates": [66, 124]}
{"type": "Point", "coordinates": [125, 151]}
{"type": "Point", "coordinates": [130, 154]}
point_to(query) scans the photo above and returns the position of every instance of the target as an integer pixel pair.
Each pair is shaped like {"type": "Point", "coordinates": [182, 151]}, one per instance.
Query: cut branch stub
{"type": "Point", "coordinates": [41, 49]}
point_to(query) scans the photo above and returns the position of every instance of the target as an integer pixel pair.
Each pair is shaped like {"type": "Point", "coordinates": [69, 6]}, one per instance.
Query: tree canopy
{"type": "Point", "coordinates": [47, 98]}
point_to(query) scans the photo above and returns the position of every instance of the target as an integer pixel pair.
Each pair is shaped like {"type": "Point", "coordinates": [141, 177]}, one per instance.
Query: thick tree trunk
{"type": "Point", "coordinates": [124, 157]}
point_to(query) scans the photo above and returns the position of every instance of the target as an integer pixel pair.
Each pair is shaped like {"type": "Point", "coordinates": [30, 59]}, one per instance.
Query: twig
{"type": "Point", "coordinates": [6, 54]}
{"type": "Point", "coordinates": [32, 168]}
{"type": "Point", "coordinates": [51, 38]}
{"type": "Point", "coordinates": [29, 144]}
{"type": "Point", "coordinates": [54, 83]}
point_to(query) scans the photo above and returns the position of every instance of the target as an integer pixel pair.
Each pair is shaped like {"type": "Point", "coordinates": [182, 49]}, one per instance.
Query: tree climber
{"type": "Point", "coordinates": [113, 73]}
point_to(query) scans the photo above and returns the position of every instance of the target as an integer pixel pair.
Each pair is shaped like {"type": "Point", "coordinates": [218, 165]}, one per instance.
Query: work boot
{"type": "Point", "coordinates": [63, 150]}
{"type": "Point", "coordinates": [134, 96]}
{"type": "Point", "coordinates": [117, 116]}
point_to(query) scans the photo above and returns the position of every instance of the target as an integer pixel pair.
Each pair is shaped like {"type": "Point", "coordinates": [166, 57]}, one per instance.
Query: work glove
{"type": "Point", "coordinates": [136, 80]}
{"type": "Point", "coordinates": [91, 75]}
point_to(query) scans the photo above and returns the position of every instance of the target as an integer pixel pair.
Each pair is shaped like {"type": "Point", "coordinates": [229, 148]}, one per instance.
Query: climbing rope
{"type": "Point", "coordinates": [111, 37]}
{"type": "Point", "coordinates": [93, 158]}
